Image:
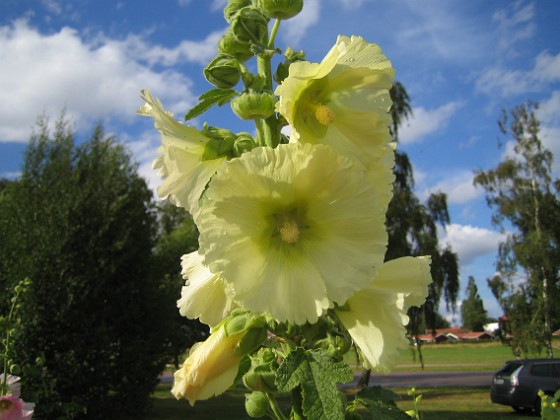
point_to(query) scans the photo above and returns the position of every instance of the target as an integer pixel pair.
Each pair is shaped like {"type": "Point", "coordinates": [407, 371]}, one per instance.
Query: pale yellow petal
{"type": "Point", "coordinates": [205, 295]}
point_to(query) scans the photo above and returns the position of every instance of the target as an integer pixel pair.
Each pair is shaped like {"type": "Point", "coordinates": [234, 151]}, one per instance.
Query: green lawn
{"type": "Point", "coordinates": [437, 403]}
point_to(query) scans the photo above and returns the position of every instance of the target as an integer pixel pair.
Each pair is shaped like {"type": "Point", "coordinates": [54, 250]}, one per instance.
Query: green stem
{"type": "Point", "coordinates": [3, 385]}
{"type": "Point", "coordinates": [274, 405]}
{"type": "Point", "coordinates": [273, 33]}
{"type": "Point", "coordinates": [271, 135]}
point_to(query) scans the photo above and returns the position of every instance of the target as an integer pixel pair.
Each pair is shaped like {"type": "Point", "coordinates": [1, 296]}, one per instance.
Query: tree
{"type": "Point", "coordinates": [412, 226]}
{"type": "Point", "coordinates": [525, 199]}
{"type": "Point", "coordinates": [177, 236]}
{"type": "Point", "coordinates": [472, 308]}
{"type": "Point", "coordinates": [80, 224]}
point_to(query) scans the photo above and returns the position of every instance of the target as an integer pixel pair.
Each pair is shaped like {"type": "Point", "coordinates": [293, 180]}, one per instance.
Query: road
{"type": "Point", "coordinates": [432, 379]}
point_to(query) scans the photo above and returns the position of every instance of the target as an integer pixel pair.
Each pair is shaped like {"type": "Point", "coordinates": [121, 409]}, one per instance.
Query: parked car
{"type": "Point", "coordinates": [518, 382]}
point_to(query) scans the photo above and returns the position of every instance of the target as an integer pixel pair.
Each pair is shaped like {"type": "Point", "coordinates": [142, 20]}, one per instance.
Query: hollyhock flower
{"type": "Point", "coordinates": [293, 229]}
{"type": "Point", "coordinates": [212, 365]}
{"type": "Point", "coordinates": [12, 407]}
{"type": "Point", "coordinates": [342, 101]}
{"type": "Point", "coordinates": [205, 295]}
{"type": "Point", "coordinates": [184, 162]}
{"type": "Point", "coordinates": [376, 316]}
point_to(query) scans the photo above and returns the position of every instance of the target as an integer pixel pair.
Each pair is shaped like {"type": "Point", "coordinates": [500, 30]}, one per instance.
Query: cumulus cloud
{"type": "Point", "coordinates": [427, 121]}
{"type": "Point", "coordinates": [93, 79]}
{"type": "Point", "coordinates": [502, 82]}
{"type": "Point", "coordinates": [470, 242]}
{"type": "Point", "coordinates": [295, 29]}
{"type": "Point", "coordinates": [458, 186]}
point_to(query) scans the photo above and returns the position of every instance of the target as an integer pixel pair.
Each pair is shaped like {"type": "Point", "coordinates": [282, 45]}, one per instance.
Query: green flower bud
{"type": "Point", "coordinates": [229, 44]}
{"type": "Point", "coordinates": [256, 404]}
{"type": "Point", "coordinates": [233, 7]}
{"type": "Point", "coordinates": [220, 143]}
{"type": "Point", "coordinates": [260, 380]}
{"type": "Point", "coordinates": [252, 105]}
{"type": "Point", "coordinates": [250, 25]}
{"type": "Point", "coordinates": [243, 143]}
{"type": "Point", "coordinates": [283, 68]}
{"type": "Point", "coordinates": [223, 71]}
{"type": "Point", "coordinates": [280, 9]}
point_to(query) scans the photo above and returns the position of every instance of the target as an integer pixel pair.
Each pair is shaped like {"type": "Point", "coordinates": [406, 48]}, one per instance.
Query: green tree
{"type": "Point", "coordinates": [525, 200]}
{"type": "Point", "coordinates": [472, 308]}
{"type": "Point", "coordinates": [412, 227]}
{"type": "Point", "coordinates": [80, 224]}
{"type": "Point", "coordinates": [177, 235]}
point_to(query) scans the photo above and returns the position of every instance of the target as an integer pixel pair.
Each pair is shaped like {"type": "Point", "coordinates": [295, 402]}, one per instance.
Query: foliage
{"type": "Point", "coordinates": [79, 223]}
{"type": "Point", "coordinates": [472, 309]}
{"type": "Point", "coordinates": [177, 235]}
{"type": "Point", "coordinates": [525, 197]}
{"type": "Point", "coordinates": [412, 228]}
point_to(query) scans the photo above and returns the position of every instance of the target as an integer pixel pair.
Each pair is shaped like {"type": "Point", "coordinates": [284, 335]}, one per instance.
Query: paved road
{"type": "Point", "coordinates": [433, 379]}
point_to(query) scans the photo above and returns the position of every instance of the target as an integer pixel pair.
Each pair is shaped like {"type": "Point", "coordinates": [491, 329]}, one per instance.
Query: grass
{"type": "Point", "coordinates": [437, 403]}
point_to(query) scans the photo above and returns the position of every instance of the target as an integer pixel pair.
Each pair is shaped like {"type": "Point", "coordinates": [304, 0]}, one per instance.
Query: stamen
{"type": "Point", "coordinates": [324, 114]}
{"type": "Point", "coordinates": [289, 231]}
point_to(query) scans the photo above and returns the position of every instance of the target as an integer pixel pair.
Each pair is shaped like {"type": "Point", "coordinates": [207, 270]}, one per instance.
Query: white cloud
{"type": "Point", "coordinates": [427, 121]}
{"type": "Point", "coordinates": [515, 23]}
{"type": "Point", "coordinates": [218, 4]}
{"type": "Point", "coordinates": [470, 242]}
{"type": "Point", "coordinates": [458, 187]}
{"type": "Point", "coordinates": [295, 29]}
{"type": "Point", "coordinates": [501, 82]}
{"type": "Point", "coordinates": [93, 80]}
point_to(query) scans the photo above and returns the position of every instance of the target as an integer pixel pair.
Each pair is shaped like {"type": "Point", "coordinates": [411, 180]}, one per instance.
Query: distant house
{"type": "Point", "coordinates": [476, 336]}
{"type": "Point", "coordinates": [454, 334]}
{"type": "Point", "coordinates": [556, 333]}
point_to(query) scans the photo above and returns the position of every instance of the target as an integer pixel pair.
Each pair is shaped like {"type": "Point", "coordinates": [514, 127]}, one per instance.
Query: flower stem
{"type": "Point", "coordinates": [274, 405]}
{"type": "Point", "coordinates": [273, 33]}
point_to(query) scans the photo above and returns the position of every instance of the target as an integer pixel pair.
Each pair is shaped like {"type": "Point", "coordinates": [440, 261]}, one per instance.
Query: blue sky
{"type": "Point", "coordinates": [461, 62]}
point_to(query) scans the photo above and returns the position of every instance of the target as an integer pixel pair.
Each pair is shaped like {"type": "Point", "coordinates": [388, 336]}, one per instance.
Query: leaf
{"type": "Point", "coordinates": [208, 99]}
{"type": "Point", "coordinates": [379, 403]}
{"type": "Point", "coordinates": [317, 374]}
{"type": "Point", "coordinates": [375, 394]}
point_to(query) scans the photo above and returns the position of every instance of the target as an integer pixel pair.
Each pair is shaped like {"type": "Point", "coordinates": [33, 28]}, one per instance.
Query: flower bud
{"type": "Point", "coordinates": [252, 105]}
{"type": "Point", "coordinates": [280, 9]}
{"type": "Point", "coordinates": [243, 143]}
{"type": "Point", "coordinates": [250, 25]}
{"type": "Point", "coordinates": [256, 404]}
{"type": "Point", "coordinates": [283, 68]}
{"type": "Point", "coordinates": [229, 44]}
{"type": "Point", "coordinates": [223, 71]}
{"type": "Point", "coordinates": [233, 7]}
{"type": "Point", "coordinates": [260, 380]}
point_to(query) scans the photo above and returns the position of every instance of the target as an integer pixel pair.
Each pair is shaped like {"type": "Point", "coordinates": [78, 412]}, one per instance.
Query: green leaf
{"type": "Point", "coordinates": [378, 403]}
{"type": "Point", "coordinates": [375, 394]}
{"type": "Point", "coordinates": [207, 100]}
{"type": "Point", "coordinates": [317, 374]}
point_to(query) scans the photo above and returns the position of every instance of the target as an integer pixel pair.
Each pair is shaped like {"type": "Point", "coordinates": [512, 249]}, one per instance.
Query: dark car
{"type": "Point", "coordinates": [518, 382]}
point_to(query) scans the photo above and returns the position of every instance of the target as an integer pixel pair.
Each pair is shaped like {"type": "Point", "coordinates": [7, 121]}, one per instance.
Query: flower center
{"type": "Point", "coordinates": [288, 230]}
{"type": "Point", "coordinates": [324, 114]}
{"type": "Point", "coordinates": [5, 405]}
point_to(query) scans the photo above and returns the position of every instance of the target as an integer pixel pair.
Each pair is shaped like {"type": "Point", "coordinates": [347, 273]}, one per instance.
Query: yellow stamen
{"type": "Point", "coordinates": [289, 231]}
{"type": "Point", "coordinates": [324, 114]}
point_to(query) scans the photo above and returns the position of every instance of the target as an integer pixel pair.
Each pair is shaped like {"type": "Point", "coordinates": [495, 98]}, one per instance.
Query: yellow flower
{"type": "Point", "coordinates": [293, 229]}
{"type": "Point", "coordinates": [376, 317]}
{"type": "Point", "coordinates": [205, 295]}
{"type": "Point", "coordinates": [343, 101]}
{"type": "Point", "coordinates": [212, 365]}
{"type": "Point", "coordinates": [181, 162]}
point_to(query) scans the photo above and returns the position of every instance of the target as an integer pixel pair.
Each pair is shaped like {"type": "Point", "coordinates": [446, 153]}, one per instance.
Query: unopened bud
{"type": "Point", "coordinates": [233, 7]}
{"type": "Point", "coordinates": [250, 25]}
{"type": "Point", "coordinates": [243, 143]}
{"type": "Point", "coordinates": [256, 404]}
{"type": "Point", "coordinates": [253, 105]}
{"type": "Point", "coordinates": [280, 9]}
{"type": "Point", "coordinates": [260, 380]}
{"type": "Point", "coordinates": [223, 71]}
{"type": "Point", "coordinates": [229, 44]}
